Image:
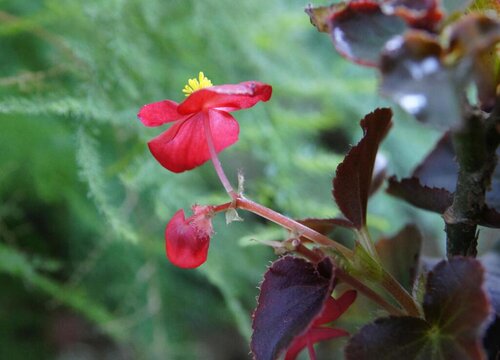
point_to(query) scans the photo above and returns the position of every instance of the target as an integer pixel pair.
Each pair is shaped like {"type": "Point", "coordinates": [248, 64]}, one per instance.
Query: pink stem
{"type": "Point", "coordinates": [240, 202]}
{"type": "Point", "coordinates": [215, 159]}
{"type": "Point", "coordinates": [292, 225]}
{"type": "Point", "coordinates": [310, 349]}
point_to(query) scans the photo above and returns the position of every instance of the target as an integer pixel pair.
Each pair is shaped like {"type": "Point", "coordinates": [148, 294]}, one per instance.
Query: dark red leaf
{"type": "Point", "coordinates": [400, 255]}
{"type": "Point", "coordinates": [414, 76]}
{"type": "Point", "coordinates": [439, 168]}
{"type": "Point", "coordinates": [490, 340]}
{"type": "Point", "coordinates": [423, 197]}
{"type": "Point", "coordinates": [360, 30]}
{"type": "Point", "coordinates": [491, 263]}
{"type": "Point", "coordinates": [391, 338]}
{"type": "Point", "coordinates": [455, 308]}
{"type": "Point", "coordinates": [325, 226]}
{"type": "Point", "coordinates": [456, 304]}
{"type": "Point", "coordinates": [292, 295]}
{"type": "Point", "coordinates": [493, 193]}
{"type": "Point", "coordinates": [320, 16]}
{"type": "Point", "coordinates": [422, 14]}
{"type": "Point", "coordinates": [434, 181]}
{"type": "Point", "coordinates": [490, 218]}
{"type": "Point", "coordinates": [351, 186]}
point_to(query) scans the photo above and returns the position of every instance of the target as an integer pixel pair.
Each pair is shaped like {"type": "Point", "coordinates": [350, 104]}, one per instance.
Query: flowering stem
{"type": "Point", "coordinates": [369, 293]}
{"type": "Point", "coordinates": [215, 159]}
{"type": "Point", "coordinates": [292, 225]}
{"type": "Point", "coordinates": [388, 282]}
{"type": "Point", "coordinates": [356, 284]}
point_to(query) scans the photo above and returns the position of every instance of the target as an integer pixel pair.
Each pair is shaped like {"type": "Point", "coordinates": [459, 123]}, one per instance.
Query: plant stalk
{"type": "Point", "coordinates": [475, 152]}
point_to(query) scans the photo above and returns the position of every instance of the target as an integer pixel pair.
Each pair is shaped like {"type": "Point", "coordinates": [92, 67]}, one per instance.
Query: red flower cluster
{"type": "Point", "coordinates": [184, 146]}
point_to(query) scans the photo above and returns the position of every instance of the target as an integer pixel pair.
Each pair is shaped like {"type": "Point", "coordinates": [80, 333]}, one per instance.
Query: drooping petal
{"type": "Point", "coordinates": [186, 244]}
{"type": "Point", "coordinates": [336, 307]}
{"type": "Point", "coordinates": [184, 146]}
{"type": "Point", "coordinates": [159, 113]}
{"type": "Point", "coordinates": [314, 335]}
{"type": "Point", "coordinates": [226, 97]}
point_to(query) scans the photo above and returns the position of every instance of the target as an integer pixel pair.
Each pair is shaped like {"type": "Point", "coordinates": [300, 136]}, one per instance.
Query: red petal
{"type": "Point", "coordinates": [159, 113]}
{"type": "Point", "coordinates": [184, 146]}
{"type": "Point", "coordinates": [186, 245]}
{"type": "Point", "coordinates": [226, 97]}
{"type": "Point", "coordinates": [335, 307]}
{"type": "Point", "coordinates": [312, 336]}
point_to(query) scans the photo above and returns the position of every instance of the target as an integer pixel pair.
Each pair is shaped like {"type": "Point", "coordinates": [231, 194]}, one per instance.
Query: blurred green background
{"type": "Point", "coordinates": [83, 205]}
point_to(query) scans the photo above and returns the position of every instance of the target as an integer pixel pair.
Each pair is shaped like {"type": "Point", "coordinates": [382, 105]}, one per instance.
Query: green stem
{"type": "Point", "coordinates": [369, 293]}
{"type": "Point", "coordinates": [400, 294]}
{"type": "Point", "coordinates": [365, 240]}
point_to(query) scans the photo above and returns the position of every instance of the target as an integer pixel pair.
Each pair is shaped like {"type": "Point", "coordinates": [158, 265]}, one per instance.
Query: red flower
{"type": "Point", "coordinates": [316, 332]}
{"type": "Point", "coordinates": [187, 240]}
{"type": "Point", "coordinates": [184, 146]}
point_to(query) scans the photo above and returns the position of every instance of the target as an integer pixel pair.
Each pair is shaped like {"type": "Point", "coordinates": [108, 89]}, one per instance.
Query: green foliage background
{"type": "Point", "coordinates": [83, 205]}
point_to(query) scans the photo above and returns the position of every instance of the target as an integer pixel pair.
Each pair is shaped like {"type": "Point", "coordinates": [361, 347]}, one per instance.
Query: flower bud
{"type": "Point", "coordinates": [187, 240]}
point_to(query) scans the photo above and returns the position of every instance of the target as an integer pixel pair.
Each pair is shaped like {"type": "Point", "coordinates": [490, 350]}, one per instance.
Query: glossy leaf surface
{"type": "Point", "coordinates": [414, 76]}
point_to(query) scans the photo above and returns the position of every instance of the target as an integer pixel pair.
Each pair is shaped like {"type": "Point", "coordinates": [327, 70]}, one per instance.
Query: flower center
{"type": "Point", "coordinates": [196, 84]}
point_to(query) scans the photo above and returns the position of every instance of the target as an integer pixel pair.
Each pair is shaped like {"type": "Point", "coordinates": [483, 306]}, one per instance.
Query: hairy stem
{"type": "Point", "coordinates": [388, 282]}
{"type": "Point", "coordinates": [366, 241]}
{"type": "Point", "coordinates": [292, 225]}
{"type": "Point", "coordinates": [475, 148]}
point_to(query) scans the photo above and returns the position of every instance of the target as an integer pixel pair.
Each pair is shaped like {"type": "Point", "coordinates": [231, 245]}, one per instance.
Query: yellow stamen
{"type": "Point", "coordinates": [196, 84]}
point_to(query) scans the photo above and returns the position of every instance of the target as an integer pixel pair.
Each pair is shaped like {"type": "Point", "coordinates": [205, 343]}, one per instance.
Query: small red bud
{"type": "Point", "coordinates": [187, 240]}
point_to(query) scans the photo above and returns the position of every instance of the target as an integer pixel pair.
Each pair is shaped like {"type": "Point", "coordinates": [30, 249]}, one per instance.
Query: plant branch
{"type": "Point", "coordinates": [292, 225]}
{"type": "Point", "coordinates": [369, 293]}
{"type": "Point", "coordinates": [352, 281]}
{"type": "Point", "coordinates": [475, 148]}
